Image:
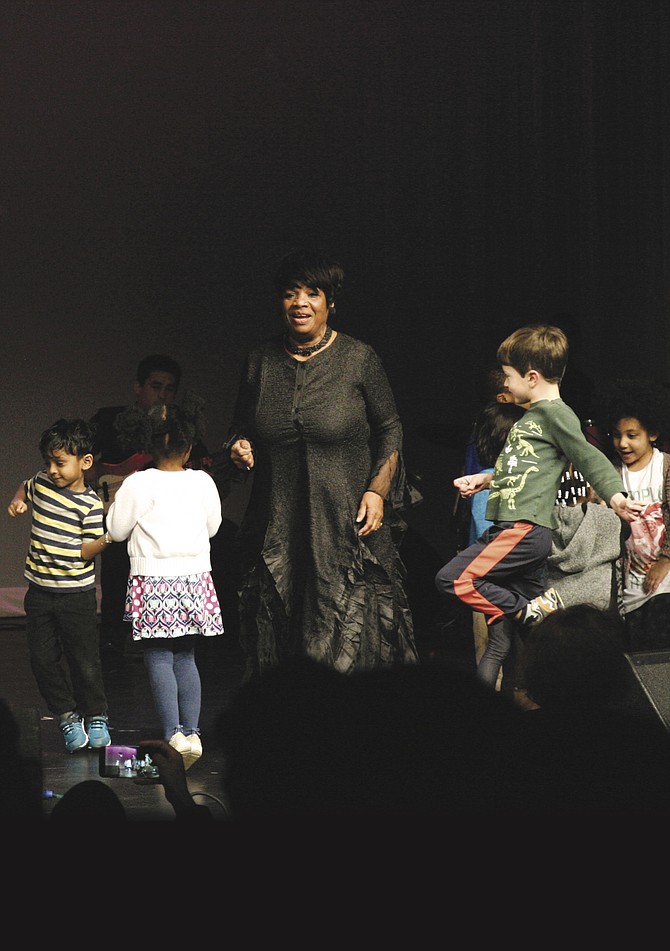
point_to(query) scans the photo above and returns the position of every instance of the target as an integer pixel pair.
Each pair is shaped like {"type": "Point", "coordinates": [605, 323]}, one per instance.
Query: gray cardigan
{"type": "Point", "coordinates": [586, 546]}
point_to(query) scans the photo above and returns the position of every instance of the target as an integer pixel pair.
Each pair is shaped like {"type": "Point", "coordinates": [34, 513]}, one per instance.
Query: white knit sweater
{"type": "Point", "coordinates": [168, 519]}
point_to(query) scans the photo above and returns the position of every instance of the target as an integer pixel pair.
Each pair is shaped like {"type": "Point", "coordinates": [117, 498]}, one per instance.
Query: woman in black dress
{"type": "Point", "coordinates": [316, 422]}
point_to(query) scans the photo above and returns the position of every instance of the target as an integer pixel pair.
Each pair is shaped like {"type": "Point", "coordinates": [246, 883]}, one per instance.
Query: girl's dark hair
{"type": "Point", "coordinates": [491, 429]}
{"type": "Point", "coordinates": [166, 430]}
{"type": "Point", "coordinates": [74, 436]}
{"type": "Point", "coordinates": [643, 400]}
{"type": "Point", "coordinates": [313, 268]}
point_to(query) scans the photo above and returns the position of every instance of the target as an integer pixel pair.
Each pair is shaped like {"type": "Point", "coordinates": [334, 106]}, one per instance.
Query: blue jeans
{"type": "Point", "coordinates": [62, 634]}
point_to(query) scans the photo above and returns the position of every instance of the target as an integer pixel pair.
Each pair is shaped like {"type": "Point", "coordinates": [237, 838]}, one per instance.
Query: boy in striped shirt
{"type": "Point", "coordinates": [60, 604]}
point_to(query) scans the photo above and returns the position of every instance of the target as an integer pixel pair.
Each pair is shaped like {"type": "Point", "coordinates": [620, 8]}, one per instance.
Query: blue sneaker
{"type": "Point", "coordinates": [76, 737]}
{"type": "Point", "coordinates": [98, 734]}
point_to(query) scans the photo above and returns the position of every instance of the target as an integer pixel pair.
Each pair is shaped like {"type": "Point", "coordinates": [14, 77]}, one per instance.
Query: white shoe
{"type": "Point", "coordinates": [195, 750]}
{"type": "Point", "coordinates": [180, 743]}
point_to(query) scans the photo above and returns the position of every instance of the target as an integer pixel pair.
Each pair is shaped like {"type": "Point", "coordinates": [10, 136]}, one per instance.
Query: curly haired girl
{"type": "Point", "coordinates": [637, 413]}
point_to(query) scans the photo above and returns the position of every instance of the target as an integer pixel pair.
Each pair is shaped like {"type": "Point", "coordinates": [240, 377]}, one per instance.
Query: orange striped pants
{"type": "Point", "coordinates": [499, 573]}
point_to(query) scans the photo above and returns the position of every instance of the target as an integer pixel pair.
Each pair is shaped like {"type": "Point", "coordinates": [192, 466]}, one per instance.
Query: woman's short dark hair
{"type": "Point", "coordinates": [311, 268]}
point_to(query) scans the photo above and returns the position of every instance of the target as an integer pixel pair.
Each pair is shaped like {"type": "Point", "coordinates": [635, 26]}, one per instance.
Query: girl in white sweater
{"type": "Point", "coordinates": [168, 515]}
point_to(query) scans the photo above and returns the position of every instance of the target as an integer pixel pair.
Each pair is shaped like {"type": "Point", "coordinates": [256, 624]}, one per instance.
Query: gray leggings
{"type": "Point", "coordinates": [176, 688]}
{"type": "Point", "coordinates": [497, 649]}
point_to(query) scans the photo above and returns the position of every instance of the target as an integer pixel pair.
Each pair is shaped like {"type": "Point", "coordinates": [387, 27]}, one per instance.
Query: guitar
{"type": "Point", "coordinates": [110, 477]}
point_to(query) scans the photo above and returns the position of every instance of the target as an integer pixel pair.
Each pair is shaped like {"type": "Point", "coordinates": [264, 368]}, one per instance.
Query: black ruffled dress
{"type": "Point", "coordinates": [323, 431]}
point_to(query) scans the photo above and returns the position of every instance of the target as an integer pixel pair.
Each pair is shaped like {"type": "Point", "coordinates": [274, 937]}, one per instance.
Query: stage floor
{"type": "Point", "coordinates": [132, 718]}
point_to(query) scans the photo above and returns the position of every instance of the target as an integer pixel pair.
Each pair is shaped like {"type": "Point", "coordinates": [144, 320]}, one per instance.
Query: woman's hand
{"type": "Point", "coordinates": [371, 513]}
{"type": "Point", "coordinates": [241, 454]}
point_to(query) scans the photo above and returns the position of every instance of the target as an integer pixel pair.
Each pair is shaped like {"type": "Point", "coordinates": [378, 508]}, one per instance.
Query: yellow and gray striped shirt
{"type": "Point", "coordinates": [62, 520]}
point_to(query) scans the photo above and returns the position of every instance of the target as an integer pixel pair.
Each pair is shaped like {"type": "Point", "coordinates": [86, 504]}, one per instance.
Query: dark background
{"type": "Point", "coordinates": [476, 164]}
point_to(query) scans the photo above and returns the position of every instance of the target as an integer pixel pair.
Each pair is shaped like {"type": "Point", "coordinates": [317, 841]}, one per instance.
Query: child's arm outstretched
{"type": "Point", "coordinates": [467, 485]}
{"type": "Point", "coordinates": [626, 508]}
{"type": "Point", "coordinates": [19, 504]}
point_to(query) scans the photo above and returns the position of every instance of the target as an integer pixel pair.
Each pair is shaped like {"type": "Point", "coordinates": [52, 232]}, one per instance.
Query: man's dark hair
{"type": "Point", "coordinates": [157, 361]}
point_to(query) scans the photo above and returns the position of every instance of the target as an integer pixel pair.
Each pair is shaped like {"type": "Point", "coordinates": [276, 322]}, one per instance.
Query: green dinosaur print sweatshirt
{"type": "Point", "coordinates": [528, 471]}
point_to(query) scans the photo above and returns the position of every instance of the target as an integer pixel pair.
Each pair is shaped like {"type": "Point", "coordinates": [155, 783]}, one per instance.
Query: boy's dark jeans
{"type": "Point", "coordinates": [64, 652]}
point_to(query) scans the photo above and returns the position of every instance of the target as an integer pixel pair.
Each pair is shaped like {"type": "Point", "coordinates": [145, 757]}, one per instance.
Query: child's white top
{"type": "Point", "coordinates": [168, 519]}
{"type": "Point", "coordinates": [647, 533]}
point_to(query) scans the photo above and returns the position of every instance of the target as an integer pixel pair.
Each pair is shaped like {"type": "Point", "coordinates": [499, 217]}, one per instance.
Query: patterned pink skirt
{"type": "Point", "coordinates": [173, 607]}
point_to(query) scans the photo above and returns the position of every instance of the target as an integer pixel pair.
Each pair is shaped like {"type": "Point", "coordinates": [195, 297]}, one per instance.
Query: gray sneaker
{"type": "Point", "coordinates": [542, 606]}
